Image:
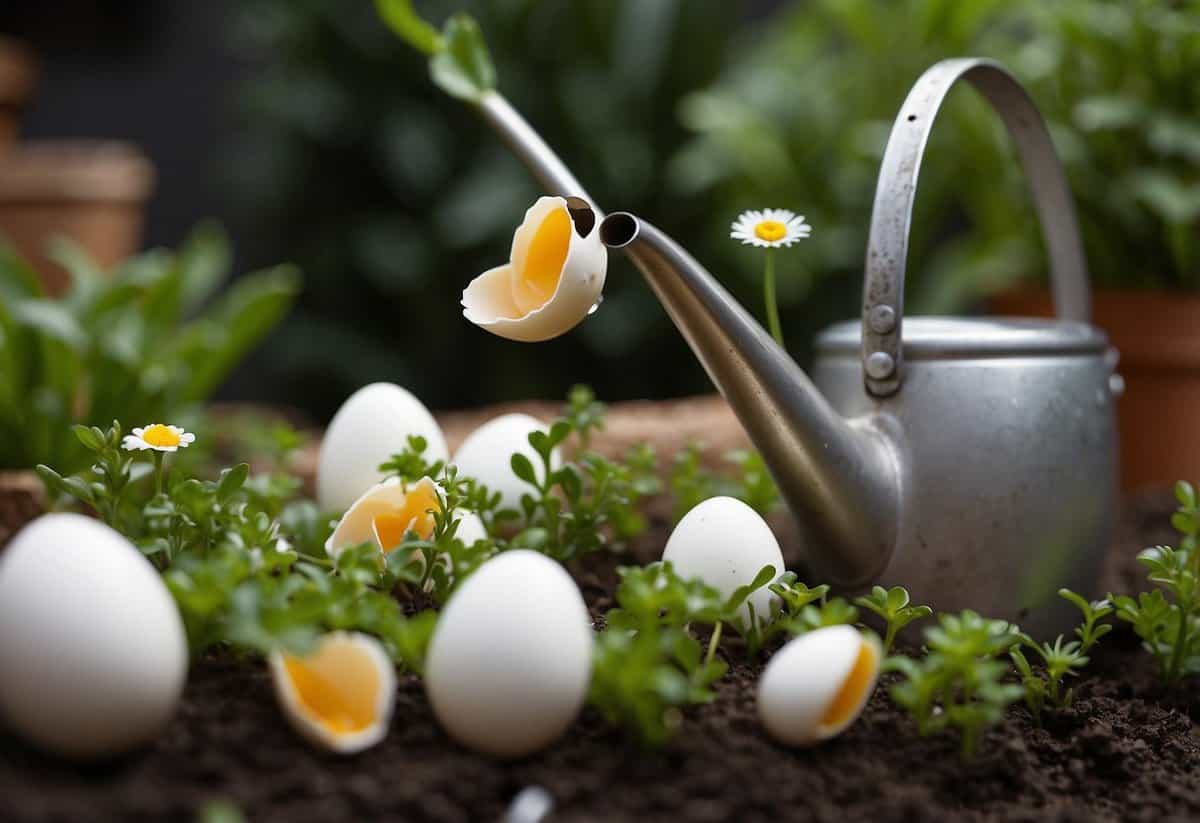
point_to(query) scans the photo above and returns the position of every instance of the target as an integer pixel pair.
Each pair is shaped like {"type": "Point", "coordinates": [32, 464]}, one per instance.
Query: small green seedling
{"type": "Point", "coordinates": [893, 606]}
{"type": "Point", "coordinates": [960, 682]}
{"type": "Point", "coordinates": [1169, 626]}
{"type": "Point", "coordinates": [692, 483]}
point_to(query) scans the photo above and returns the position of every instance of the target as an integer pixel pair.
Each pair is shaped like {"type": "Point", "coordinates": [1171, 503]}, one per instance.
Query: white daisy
{"type": "Point", "coordinates": [159, 437]}
{"type": "Point", "coordinates": [769, 228]}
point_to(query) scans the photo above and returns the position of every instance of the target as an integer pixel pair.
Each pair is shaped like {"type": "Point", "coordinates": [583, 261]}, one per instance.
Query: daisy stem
{"type": "Point", "coordinates": [158, 472]}
{"type": "Point", "coordinates": [769, 294]}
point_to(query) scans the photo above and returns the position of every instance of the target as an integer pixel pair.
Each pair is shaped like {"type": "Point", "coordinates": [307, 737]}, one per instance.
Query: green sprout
{"type": "Point", "coordinates": [960, 682]}
{"type": "Point", "coordinates": [893, 606]}
{"type": "Point", "coordinates": [459, 62]}
{"type": "Point", "coordinates": [1170, 626]}
{"type": "Point", "coordinates": [691, 483]}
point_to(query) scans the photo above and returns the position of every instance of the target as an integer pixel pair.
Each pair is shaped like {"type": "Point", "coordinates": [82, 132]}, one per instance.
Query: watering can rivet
{"type": "Point", "coordinates": [880, 365]}
{"type": "Point", "coordinates": [883, 319]}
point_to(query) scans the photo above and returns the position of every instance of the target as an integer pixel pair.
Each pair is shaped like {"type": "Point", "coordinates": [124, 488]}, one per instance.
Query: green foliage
{"type": "Point", "coordinates": [243, 560]}
{"type": "Point", "coordinates": [820, 85]}
{"type": "Point", "coordinates": [1169, 625]}
{"type": "Point", "coordinates": [647, 665]}
{"type": "Point", "coordinates": [959, 682]}
{"type": "Point", "coordinates": [589, 502]}
{"type": "Point", "coordinates": [148, 341]}
{"type": "Point", "coordinates": [749, 481]}
{"type": "Point", "coordinates": [893, 606]}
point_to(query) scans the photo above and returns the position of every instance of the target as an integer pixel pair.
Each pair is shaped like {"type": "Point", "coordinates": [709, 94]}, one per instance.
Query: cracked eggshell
{"type": "Point", "coordinates": [373, 424]}
{"type": "Point", "coordinates": [510, 661]}
{"type": "Point", "coordinates": [486, 455]}
{"type": "Point", "coordinates": [554, 277]}
{"type": "Point", "coordinates": [93, 654]}
{"type": "Point", "coordinates": [725, 543]}
{"type": "Point", "coordinates": [341, 695]}
{"type": "Point", "coordinates": [817, 685]}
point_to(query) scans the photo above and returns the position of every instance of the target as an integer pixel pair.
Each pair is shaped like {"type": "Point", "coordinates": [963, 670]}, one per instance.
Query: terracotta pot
{"type": "Point", "coordinates": [1158, 337]}
{"type": "Point", "coordinates": [90, 191]}
{"type": "Point", "coordinates": [17, 77]}
{"type": "Point", "coordinates": [22, 498]}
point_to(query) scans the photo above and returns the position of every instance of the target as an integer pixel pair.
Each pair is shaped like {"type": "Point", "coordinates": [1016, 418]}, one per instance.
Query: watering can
{"type": "Point", "coordinates": [971, 460]}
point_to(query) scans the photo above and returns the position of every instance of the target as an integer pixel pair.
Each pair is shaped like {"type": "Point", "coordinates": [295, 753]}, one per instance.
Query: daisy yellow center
{"type": "Point", "coordinates": [161, 436]}
{"type": "Point", "coordinates": [770, 230]}
{"type": "Point", "coordinates": [547, 254]}
{"type": "Point", "coordinates": [338, 709]}
{"type": "Point", "coordinates": [848, 698]}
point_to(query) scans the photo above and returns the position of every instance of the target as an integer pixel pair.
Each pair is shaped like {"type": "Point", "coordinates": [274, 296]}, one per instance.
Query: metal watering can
{"type": "Point", "coordinates": [971, 460]}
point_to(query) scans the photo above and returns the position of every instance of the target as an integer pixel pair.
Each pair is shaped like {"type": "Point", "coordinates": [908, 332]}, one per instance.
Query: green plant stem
{"type": "Point", "coordinates": [158, 472]}
{"type": "Point", "coordinates": [713, 642]}
{"type": "Point", "coordinates": [769, 296]}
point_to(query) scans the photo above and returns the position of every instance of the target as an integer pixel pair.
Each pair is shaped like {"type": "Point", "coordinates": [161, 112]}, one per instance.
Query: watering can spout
{"type": "Point", "coordinates": [840, 478]}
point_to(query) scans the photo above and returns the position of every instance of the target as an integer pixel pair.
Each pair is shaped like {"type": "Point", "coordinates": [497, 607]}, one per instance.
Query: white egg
{"type": "Point", "coordinates": [554, 276]}
{"type": "Point", "coordinates": [487, 452]}
{"type": "Point", "coordinates": [339, 696]}
{"type": "Point", "coordinates": [817, 685]}
{"type": "Point", "coordinates": [470, 528]}
{"type": "Point", "coordinates": [93, 655]}
{"type": "Point", "coordinates": [373, 424]}
{"type": "Point", "coordinates": [510, 661]}
{"type": "Point", "coordinates": [725, 543]}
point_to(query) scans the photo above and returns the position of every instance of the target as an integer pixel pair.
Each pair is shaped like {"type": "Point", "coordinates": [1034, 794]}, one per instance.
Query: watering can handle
{"type": "Point", "coordinates": [887, 248]}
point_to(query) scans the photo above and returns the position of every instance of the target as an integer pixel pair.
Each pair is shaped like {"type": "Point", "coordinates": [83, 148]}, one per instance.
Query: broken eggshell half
{"type": "Point", "coordinates": [340, 696]}
{"type": "Point", "coordinates": [553, 279]}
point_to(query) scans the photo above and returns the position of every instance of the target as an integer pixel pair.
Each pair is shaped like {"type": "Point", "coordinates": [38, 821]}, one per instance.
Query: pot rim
{"type": "Point", "coordinates": [57, 170]}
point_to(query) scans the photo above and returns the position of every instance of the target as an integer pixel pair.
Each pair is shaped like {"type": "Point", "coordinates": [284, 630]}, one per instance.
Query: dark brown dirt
{"type": "Point", "coordinates": [1125, 751]}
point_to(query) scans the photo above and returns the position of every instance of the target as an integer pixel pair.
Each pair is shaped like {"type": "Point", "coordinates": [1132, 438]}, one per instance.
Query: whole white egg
{"type": "Point", "coordinates": [486, 454]}
{"type": "Point", "coordinates": [510, 661]}
{"type": "Point", "coordinates": [93, 654]}
{"type": "Point", "coordinates": [725, 543]}
{"type": "Point", "coordinates": [817, 685]}
{"type": "Point", "coordinates": [373, 424]}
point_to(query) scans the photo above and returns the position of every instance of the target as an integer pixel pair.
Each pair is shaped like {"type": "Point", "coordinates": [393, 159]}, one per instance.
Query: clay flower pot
{"type": "Point", "coordinates": [1158, 337]}
{"type": "Point", "coordinates": [17, 76]}
{"type": "Point", "coordinates": [90, 191]}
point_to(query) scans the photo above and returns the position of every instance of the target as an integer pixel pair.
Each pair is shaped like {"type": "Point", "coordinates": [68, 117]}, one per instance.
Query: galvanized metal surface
{"type": "Point", "coordinates": [990, 479]}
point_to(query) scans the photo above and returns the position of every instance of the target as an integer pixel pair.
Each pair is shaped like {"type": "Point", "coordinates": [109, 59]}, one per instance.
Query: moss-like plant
{"type": "Point", "coordinates": [894, 607]}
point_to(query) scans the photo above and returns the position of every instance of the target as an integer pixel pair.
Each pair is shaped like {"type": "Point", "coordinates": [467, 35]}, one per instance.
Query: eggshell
{"type": "Point", "coordinates": [93, 654]}
{"type": "Point", "coordinates": [502, 301]}
{"type": "Point", "coordinates": [470, 528]}
{"type": "Point", "coordinates": [486, 455]}
{"type": "Point", "coordinates": [347, 679]}
{"type": "Point", "coordinates": [373, 424]}
{"type": "Point", "coordinates": [725, 543]}
{"type": "Point", "coordinates": [357, 525]}
{"type": "Point", "coordinates": [510, 661]}
{"type": "Point", "coordinates": [804, 678]}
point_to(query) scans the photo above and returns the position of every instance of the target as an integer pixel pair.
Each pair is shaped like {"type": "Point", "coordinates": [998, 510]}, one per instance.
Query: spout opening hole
{"type": "Point", "coordinates": [911, 118]}
{"type": "Point", "coordinates": [618, 230]}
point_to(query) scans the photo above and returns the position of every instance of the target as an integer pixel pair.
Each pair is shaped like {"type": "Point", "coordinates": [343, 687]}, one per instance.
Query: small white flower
{"type": "Point", "coordinates": [769, 228]}
{"type": "Point", "coordinates": [158, 437]}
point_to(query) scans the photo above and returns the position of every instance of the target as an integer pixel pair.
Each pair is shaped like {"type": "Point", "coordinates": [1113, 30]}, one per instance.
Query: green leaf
{"type": "Point", "coordinates": [522, 467]}
{"type": "Point", "coordinates": [232, 480]}
{"type": "Point", "coordinates": [401, 19]}
{"type": "Point", "coordinates": [463, 67]}
{"type": "Point", "coordinates": [91, 437]}
{"type": "Point", "coordinates": [203, 265]}
{"type": "Point", "coordinates": [52, 320]}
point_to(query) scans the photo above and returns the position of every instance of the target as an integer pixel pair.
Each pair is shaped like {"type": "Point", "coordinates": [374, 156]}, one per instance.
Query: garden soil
{"type": "Point", "coordinates": [1126, 751]}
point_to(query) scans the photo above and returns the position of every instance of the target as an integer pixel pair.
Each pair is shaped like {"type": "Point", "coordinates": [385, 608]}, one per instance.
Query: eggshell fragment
{"type": "Point", "coordinates": [725, 543]}
{"type": "Point", "coordinates": [93, 654]}
{"type": "Point", "coordinates": [817, 685]}
{"type": "Point", "coordinates": [341, 695]}
{"type": "Point", "coordinates": [385, 513]}
{"type": "Point", "coordinates": [486, 455]}
{"type": "Point", "coordinates": [510, 661]}
{"type": "Point", "coordinates": [554, 277]}
{"type": "Point", "coordinates": [373, 424]}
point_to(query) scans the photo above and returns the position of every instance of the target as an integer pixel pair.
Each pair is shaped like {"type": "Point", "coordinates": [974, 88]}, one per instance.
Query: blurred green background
{"type": "Point", "coordinates": [335, 152]}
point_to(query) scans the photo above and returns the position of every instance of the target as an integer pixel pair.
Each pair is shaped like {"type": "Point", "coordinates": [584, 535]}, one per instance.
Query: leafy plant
{"type": "Point", "coordinates": [893, 606]}
{"type": "Point", "coordinates": [1170, 626]}
{"type": "Point", "coordinates": [150, 340]}
{"type": "Point", "coordinates": [1060, 659]}
{"type": "Point", "coordinates": [232, 565]}
{"type": "Point", "coordinates": [647, 665]}
{"type": "Point", "coordinates": [959, 683]}
{"type": "Point", "coordinates": [749, 481]}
